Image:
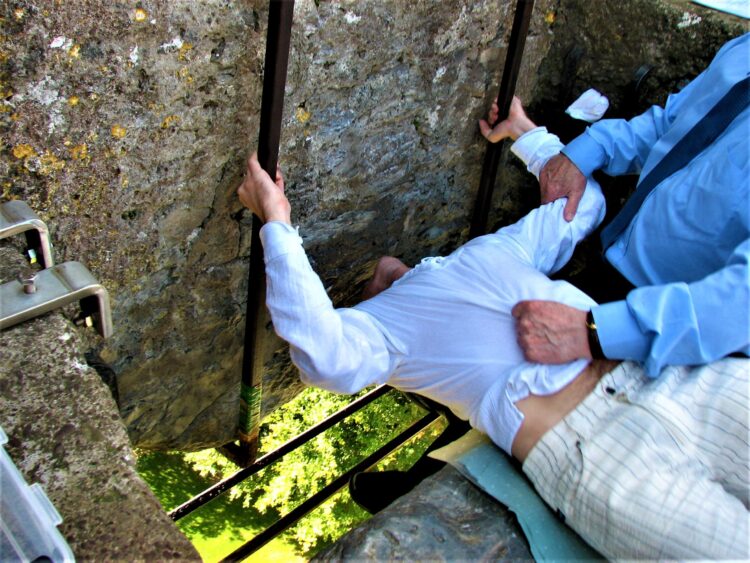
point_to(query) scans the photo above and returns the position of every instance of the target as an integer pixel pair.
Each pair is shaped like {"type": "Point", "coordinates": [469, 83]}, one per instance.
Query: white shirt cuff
{"type": "Point", "coordinates": [527, 144]}
{"type": "Point", "coordinates": [279, 238]}
{"type": "Point", "coordinates": [535, 148]}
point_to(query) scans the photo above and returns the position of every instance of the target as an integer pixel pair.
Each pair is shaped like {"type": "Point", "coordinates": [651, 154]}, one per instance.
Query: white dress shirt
{"type": "Point", "coordinates": [445, 329]}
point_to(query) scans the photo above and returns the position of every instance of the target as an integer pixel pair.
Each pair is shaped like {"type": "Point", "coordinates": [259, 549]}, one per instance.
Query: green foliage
{"type": "Point", "coordinates": [282, 486]}
{"type": "Point", "coordinates": [287, 483]}
{"type": "Point", "coordinates": [218, 528]}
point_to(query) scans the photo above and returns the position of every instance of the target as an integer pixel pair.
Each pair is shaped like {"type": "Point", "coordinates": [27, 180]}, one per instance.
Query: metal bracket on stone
{"type": "Point", "coordinates": [17, 217]}
{"type": "Point", "coordinates": [53, 288]}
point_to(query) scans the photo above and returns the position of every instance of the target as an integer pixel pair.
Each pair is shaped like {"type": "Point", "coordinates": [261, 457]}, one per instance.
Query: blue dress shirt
{"type": "Point", "coordinates": [688, 247]}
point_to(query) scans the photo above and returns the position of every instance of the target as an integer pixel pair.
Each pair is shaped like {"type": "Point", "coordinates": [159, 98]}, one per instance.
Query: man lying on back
{"type": "Point", "coordinates": [444, 330]}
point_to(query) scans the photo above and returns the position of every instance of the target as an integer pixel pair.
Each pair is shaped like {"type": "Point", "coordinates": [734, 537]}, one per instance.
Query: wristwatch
{"type": "Point", "coordinates": [594, 344]}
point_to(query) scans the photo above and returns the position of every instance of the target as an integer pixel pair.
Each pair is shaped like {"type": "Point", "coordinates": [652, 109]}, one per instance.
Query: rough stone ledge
{"type": "Point", "coordinates": [445, 518]}
{"type": "Point", "coordinates": [64, 432]}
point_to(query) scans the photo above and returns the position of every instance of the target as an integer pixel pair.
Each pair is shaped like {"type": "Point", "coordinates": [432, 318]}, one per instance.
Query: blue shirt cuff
{"type": "Point", "coordinates": [585, 153]}
{"type": "Point", "coordinates": [619, 334]}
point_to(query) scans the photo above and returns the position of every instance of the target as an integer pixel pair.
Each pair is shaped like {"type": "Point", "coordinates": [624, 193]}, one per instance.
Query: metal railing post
{"type": "Point", "coordinates": [274, 80]}
{"type": "Point", "coordinates": [511, 67]}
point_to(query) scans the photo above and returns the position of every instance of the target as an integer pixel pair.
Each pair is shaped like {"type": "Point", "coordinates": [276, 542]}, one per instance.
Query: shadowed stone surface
{"type": "Point", "coordinates": [125, 126]}
{"type": "Point", "coordinates": [445, 518]}
{"type": "Point", "coordinates": [64, 432]}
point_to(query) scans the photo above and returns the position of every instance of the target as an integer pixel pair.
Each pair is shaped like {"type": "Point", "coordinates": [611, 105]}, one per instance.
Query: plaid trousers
{"type": "Point", "coordinates": [654, 468]}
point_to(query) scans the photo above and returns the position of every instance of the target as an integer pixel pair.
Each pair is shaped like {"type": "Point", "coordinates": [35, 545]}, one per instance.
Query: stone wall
{"type": "Point", "coordinates": [125, 125]}
{"type": "Point", "coordinates": [64, 433]}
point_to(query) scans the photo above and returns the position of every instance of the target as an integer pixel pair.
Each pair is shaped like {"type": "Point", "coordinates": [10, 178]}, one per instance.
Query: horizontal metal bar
{"type": "Point", "coordinates": [329, 490]}
{"type": "Point", "coordinates": [52, 289]}
{"type": "Point", "coordinates": [225, 484]}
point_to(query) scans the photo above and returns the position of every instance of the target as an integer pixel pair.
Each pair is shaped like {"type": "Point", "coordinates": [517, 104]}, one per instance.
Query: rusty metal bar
{"type": "Point", "coordinates": [329, 490]}
{"type": "Point", "coordinates": [274, 80]}
{"type": "Point", "coordinates": [511, 67]}
{"type": "Point", "coordinates": [224, 485]}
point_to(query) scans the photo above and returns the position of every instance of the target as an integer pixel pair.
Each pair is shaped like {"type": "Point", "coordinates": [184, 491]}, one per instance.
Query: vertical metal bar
{"type": "Point", "coordinates": [274, 80]}
{"type": "Point", "coordinates": [511, 67]}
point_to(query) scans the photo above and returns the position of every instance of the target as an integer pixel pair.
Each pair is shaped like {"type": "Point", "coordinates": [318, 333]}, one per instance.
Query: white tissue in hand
{"type": "Point", "coordinates": [589, 107]}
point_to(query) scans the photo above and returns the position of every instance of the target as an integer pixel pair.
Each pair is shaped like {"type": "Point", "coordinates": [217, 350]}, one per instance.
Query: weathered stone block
{"type": "Point", "coordinates": [445, 518]}
{"type": "Point", "coordinates": [65, 433]}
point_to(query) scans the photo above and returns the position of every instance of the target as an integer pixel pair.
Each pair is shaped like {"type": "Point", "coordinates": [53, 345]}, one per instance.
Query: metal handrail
{"type": "Point", "coordinates": [272, 105]}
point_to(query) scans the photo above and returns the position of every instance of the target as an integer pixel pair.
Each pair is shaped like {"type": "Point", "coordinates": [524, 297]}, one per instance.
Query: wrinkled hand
{"type": "Point", "coordinates": [561, 178]}
{"type": "Point", "coordinates": [263, 196]}
{"type": "Point", "coordinates": [514, 126]}
{"type": "Point", "coordinates": [550, 332]}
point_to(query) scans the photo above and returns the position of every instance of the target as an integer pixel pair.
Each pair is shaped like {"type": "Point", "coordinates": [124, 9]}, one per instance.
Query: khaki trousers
{"type": "Point", "coordinates": [646, 469]}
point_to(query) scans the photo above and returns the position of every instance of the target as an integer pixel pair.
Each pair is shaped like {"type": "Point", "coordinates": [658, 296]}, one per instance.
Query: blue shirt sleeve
{"type": "Point", "coordinates": [681, 323]}
{"type": "Point", "coordinates": [619, 146]}
{"type": "Point", "coordinates": [692, 305]}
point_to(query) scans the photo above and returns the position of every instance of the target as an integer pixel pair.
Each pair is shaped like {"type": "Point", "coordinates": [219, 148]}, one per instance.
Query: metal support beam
{"type": "Point", "coordinates": [274, 80]}
{"type": "Point", "coordinates": [511, 67]}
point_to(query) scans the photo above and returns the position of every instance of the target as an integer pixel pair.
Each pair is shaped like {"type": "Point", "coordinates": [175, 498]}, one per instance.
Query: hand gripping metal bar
{"type": "Point", "coordinates": [512, 65]}
{"type": "Point", "coordinates": [274, 80]}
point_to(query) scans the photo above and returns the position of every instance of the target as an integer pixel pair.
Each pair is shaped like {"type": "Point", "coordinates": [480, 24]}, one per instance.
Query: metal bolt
{"type": "Point", "coordinates": [28, 283]}
{"type": "Point", "coordinates": [83, 320]}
